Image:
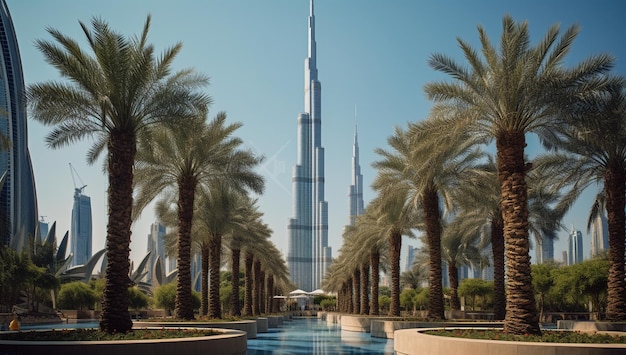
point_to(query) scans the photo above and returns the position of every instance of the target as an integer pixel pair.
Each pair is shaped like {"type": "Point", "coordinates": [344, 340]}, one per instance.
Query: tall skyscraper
{"type": "Point", "coordinates": [308, 254]}
{"type": "Point", "coordinates": [18, 197]}
{"type": "Point", "coordinates": [599, 234]}
{"type": "Point", "coordinates": [43, 228]}
{"type": "Point", "coordinates": [544, 250]}
{"type": "Point", "coordinates": [356, 188]}
{"type": "Point", "coordinates": [81, 228]}
{"type": "Point", "coordinates": [575, 247]}
{"type": "Point", "coordinates": [410, 257]}
{"type": "Point", "coordinates": [156, 245]}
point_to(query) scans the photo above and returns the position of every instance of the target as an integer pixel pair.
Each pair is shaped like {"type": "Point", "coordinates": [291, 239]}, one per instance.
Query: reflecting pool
{"type": "Point", "coordinates": [297, 336]}
{"type": "Point", "coordinates": [313, 336]}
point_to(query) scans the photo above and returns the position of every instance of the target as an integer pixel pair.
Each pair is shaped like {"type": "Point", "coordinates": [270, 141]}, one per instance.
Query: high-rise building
{"type": "Point", "coordinates": [575, 247]}
{"type": "Point", "coordinates": [308, 254]}
{"type": "Point", "coordinates": [544, 250]}
{"type": "Point", "coordinates": [356, 188]}
{"type": "Point", "coordinates": [599, 234]}
{"type": "Point", "coordinates": [156, 246]}
{"type": "Point", "coordinates": [18, 197]}
{"type": "Point", "coordinates": [81, 228]}
{"type": "Point", "coordinates": [43, 228]}
{"type": "Point", "coordinates": [410, 257]}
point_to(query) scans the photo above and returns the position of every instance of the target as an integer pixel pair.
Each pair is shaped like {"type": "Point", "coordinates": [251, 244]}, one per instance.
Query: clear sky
{"type": "Point", "coordinates": [370, 53]}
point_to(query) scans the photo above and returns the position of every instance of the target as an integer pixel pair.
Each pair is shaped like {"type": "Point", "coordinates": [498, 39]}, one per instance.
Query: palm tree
{"type": "Point", "coordinates": [597, 140]}
{"type": "Point", "coordinates": [242, 235]}
{"type": "Point", "coordinates": [188, 159]}
{"type": "Point", "coordinates": [514, 90]}
{"type": "Point", "coordinates": [459, 247]}
{"type": "Point", "coordinates": [115, 96]}
{"type": "Point", "coordinates": [395, 219]}
{"type": "Point", "coordinates": [428, 171]}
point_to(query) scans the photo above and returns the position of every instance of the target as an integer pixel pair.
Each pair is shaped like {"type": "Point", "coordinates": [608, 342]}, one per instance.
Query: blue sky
{"type": "Point", "coordinates": [370, 53]}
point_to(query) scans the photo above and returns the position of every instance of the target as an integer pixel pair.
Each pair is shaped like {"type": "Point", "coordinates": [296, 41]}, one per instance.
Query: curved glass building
{"type": "Point", "coordinates": [18, 198]}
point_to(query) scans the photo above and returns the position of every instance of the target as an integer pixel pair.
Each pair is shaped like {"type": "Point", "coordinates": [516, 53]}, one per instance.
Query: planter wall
{"type": "Point", "coordinates": [248, 326]}
{"type": "Point", "coordinates": [386, 328]}
{"type": "Point", "coordinates": [231, 342]}
{"type": "Point", "coordinates": [412, 341]}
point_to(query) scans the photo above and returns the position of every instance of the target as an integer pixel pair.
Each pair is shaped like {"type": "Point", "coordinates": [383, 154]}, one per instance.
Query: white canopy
{"type": "Point", "coordinates": [298, 292]}
{"type": "Point", "coordinates": [317, 292]}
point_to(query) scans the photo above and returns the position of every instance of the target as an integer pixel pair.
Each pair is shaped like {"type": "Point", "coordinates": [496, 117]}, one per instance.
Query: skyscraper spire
{"type": "Point", "coordinates": [308, 252]}
{"type": "Point", "coordinates": [356, 187]}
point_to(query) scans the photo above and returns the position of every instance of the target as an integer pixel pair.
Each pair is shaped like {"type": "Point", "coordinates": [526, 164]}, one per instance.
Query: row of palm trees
{"type": "Point", "coordinates": [151, 121]}
{"type": "Point", "coordinates": [436, 174]}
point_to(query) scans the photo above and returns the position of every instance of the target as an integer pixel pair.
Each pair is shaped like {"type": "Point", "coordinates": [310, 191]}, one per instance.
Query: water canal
{"type": "Point", "coordinates": [313, 336]}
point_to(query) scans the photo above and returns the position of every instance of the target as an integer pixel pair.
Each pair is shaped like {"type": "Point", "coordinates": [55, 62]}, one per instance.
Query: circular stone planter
{"type": "Point", "coordinates": [387, 328]}
{"type": "Point", "coordinates": [413, 341]}
{"type": "Point", "coordinates": [229, 342]}
{"type": "Point", "coordinates": [248, 326]}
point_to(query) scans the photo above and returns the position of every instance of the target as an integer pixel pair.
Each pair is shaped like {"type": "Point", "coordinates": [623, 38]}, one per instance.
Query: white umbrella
{"type": "Point", "coordinates": [297, 292]}
{"type": "Point", "coordinates": [317, 292]}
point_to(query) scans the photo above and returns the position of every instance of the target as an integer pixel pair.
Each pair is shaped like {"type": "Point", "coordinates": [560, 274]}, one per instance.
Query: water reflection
{"type": "Point", "coordinates": [311, 336]}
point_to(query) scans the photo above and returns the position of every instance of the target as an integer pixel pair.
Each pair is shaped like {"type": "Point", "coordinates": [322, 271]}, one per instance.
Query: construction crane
{"type": "Point", "coordinates": [77, 190]}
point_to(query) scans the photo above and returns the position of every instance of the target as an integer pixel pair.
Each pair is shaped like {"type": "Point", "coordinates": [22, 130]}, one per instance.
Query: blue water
{"type": "Point", "coordinates": [298, 336]}
{"type": "Point", "coordinates": [313, 336]}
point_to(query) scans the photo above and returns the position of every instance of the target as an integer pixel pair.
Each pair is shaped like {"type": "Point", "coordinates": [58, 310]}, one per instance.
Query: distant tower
{"type": "Point", "coordinates": [575, 247]}
{"type": "Point", "coordinates": [356, 188]}
{"type": "Point", "coordinates": [599, 234]}
{"type": "Point", "coordinates": [410, 257]}
{"type": "Point", "coordinates": [43, 228]}
{"type": "Point", "coordinates": [156, 245]}
{"type": "Point", "coordinates": [308, 254]}
{"type": "Point", "coordinates": [18, 198]}
{"type": "Point", "coordinates": [81, 226]}
{"type": "Point", "coordinates": [545, 250]}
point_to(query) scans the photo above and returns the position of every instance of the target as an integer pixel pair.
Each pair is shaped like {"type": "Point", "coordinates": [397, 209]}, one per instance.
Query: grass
{"type": "Point", "coordinates": [97, 335]}
{"type": "Point", "coordinates": [546, 337]}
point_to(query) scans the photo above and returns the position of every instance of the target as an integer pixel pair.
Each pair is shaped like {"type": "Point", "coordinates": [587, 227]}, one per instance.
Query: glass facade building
{"type": "Point", "coordinates": [356, 188]}
{"type": "Point", "coordinates": [18, 198]}
{"type": "Point", "coordinates": [81, 228]}
{"type": "Point", "coordinates": [308, 254]}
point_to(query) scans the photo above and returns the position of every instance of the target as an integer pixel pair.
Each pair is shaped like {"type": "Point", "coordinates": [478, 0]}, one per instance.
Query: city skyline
{"type": "Point", "coordinates": [374, 55]}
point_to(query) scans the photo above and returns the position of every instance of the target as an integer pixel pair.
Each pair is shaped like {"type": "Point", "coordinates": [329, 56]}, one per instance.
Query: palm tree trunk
{"type": "Point", "coordinates": [453, 274]}
{"type": "Point", "coordinates": [215, 256]}
{"type": "Point", "coordinates": [356, 289]}
{"type": "Point", "coordinates": [349, 297]}
{"type": "Point", "coordinates": [365, 286]}
{"type": "Point", "coordinates": [204, 287]}
{"type": "Point", "coordinates": [270, 294]}
{"type": "Point", "coordinates": [430, 203]}
{"type": "Point", "coordinates": [235, 305]}
{"type": "Point", "coordinates": [256, 294]}
{"type": "Point", "coordinates": [186, 196]}
{"type": "Point", "coordinates": [614, 188]}
{"type": "Point", "coordinates": [497, 249]}
{"type": "Point", "coordinates": [521, 310]}
{"type": "Point", "coordinates": [247, 299]}
{"type": "Point", "coordinates": [115, 315]}
{"type": "Point", "coordinates": [375, 261]}
{"type": "Point", "coordinates": [395, 246]}
{"type": "Point", "coordinates": [263, 285]}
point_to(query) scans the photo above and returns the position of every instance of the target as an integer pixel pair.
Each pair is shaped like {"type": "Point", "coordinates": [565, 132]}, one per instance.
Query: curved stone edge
{"type": "Point", "coordinates": [386, 328]}
{"type": "Point", "coordinates": [413, 341]}
{"type": "Point", "coordinates": [363, 324]}
{"type": "Point", "coordinates": [248, 326]}
{"type": "Point", "coordinates": [230, 342]}
{"type": "Point", "coordinates": [590, 326]}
